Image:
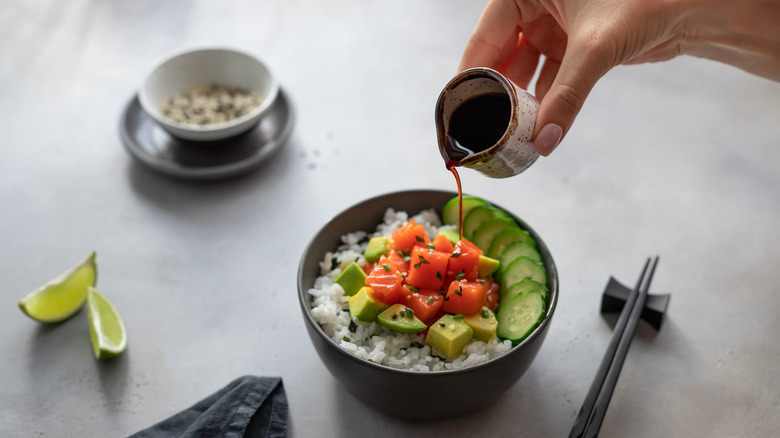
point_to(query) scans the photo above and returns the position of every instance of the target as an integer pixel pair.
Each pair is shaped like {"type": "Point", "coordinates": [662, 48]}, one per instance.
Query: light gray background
{"type": "Point", "coordinates": [678, 159]}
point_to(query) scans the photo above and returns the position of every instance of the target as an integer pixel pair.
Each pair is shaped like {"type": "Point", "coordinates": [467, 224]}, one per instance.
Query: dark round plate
{"type": "Point", "coordinates": [154, 147]}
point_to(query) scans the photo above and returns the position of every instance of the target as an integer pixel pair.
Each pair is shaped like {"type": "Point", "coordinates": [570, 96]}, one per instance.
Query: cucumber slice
{"type": "Point", "coordinates": [488, 230]}
{"type": "Point", "coordinates": [520, 269]}
{"type": "Point", "coordinates": [478, 216]}
{"type": "Point", "coordinates": [520, 316]}
{"type": "Point", "coordinates": [450, 214]}
{"type": "Point", "coordinates": [515, 250]}
{"type": "Point", "coordinates": [523, 286]}
{"type": "Point", "coordinates": [507, 237]}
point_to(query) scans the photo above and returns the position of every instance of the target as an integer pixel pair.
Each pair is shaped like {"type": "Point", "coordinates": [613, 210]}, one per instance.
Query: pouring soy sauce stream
{"type": "Point", "coordinates": [475, 125]}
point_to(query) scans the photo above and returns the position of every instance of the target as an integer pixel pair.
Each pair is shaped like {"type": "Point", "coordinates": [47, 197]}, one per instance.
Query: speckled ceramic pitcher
{"type": "Point", "coordinates": [513, 152]}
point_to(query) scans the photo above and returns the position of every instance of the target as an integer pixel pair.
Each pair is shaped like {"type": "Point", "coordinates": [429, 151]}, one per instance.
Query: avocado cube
{"type": "Point", "coordinates": [487, 266]}
{"type": "Point", "coordinates": [449, 334]}
{"type": "Point", "coordinates": [377, 247]}
{"type": "Point", "coordinates": [364, 306]}
{"type": "Point", "coordinates": [400, 318]}
{"type": "Point", "coordinates": [352, 279]}
{"type": "Point", "coordinates": [452, 236]}
{"type": "Point", "coordinates": [483, 323]}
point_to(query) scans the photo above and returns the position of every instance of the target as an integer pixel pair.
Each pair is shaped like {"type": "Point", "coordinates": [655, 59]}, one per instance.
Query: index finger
{"type": "Point", "coordinates": [494, 38]}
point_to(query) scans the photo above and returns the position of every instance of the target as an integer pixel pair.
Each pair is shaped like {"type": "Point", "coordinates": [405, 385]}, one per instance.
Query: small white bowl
{"type": "Point", "coordinates": [183, 70]}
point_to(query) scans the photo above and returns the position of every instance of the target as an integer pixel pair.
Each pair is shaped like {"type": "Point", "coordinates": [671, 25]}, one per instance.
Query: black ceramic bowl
{"type": "Point", "coordinates": [411, 394]}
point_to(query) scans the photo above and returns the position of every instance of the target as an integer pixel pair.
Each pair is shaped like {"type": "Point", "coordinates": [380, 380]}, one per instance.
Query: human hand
{"type": "Point", "coordinates": [581, 40]}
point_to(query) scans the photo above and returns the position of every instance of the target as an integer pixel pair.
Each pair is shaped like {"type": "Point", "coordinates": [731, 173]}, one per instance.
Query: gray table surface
{"type": "Point", "coordinates": [679, 159]}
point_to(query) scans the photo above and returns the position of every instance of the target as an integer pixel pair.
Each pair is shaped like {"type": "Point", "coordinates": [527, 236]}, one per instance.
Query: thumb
{"type": "Point", "coordinates": [576, 76]}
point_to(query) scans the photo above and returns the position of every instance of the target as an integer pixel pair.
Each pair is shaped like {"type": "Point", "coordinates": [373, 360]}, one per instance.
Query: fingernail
{"type": "Point", "coordinates": [548, 138]}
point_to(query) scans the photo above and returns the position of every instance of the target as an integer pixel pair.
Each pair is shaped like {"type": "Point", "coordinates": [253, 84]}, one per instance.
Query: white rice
{"type": "Point", "coordinates": [372, 341]}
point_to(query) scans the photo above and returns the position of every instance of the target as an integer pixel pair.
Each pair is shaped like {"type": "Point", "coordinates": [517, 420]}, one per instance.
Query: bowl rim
{"type": "Point", "coordinates": [153, 111]}
{"type": "Point", "coordinates": [540, 330]}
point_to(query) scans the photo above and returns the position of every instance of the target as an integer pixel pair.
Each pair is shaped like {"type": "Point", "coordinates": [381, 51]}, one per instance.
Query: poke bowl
{"type": "Point", "coordinates": [450, 366]}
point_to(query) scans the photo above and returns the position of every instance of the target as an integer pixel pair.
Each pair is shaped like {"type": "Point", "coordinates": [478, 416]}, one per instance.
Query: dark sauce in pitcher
{"type": "Point", "coordinates": [475, 125]}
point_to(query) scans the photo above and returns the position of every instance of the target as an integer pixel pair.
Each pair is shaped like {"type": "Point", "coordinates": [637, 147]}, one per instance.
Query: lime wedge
{"type": "Point", "coordinates": [62, 297]}
{"type": "Point", "coordinates": [106, 329]}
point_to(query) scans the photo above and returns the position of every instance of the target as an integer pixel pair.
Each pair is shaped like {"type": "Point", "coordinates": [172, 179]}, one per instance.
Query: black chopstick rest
{"type": "Point", "coordinates": [614, 299]}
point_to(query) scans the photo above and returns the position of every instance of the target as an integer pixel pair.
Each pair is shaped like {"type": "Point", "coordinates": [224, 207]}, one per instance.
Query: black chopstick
{"type": "Point", "coordinates": [602, 402]}
{"type": "Point", "coordinates": [594, 407]}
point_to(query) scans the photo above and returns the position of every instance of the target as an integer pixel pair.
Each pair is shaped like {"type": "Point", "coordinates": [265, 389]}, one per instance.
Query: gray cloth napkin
{"type": "Point", "coordinates": [249, 406]}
